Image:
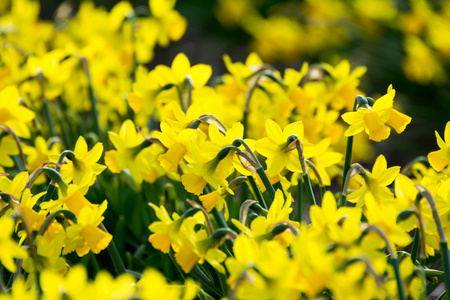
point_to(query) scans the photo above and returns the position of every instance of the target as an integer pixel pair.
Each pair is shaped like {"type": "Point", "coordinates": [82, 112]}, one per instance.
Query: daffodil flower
{"type": "Point", "coordinates": [207, 167]}
{"type": "Point", "coordinates": [373, 120]}
{"type": "Point", "coordinates": [439, 159]}
{"type": "Point", "coordinates": [85, 235]}
{"type": "Point", "coordinates": [166, 230]}
{"type": "Point", "coordinates": [12, 113]}
{"type": "Point", "coordinates": [339, 225]}
{"type": "Point", "coordinates": [141, 163]}
{"type": "Point", "coordinates": [375, 183]}
{"type": "Point", "coordinates": [196, 247]}
{"type": "Point", "coordinates": [84, 169]}
{"type": "Point", "coordinates": [9, 249]}
{"type": "Point", "coordinates": [275, 143]}
{"type": "Point", "coordinates": [278, 212]}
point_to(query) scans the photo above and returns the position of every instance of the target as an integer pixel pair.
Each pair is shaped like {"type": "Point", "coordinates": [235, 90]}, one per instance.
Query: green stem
{"type": "Point", "coordinates": [219, 218]}
{"type": "Point", "coordinates": [257, 192]}
{"type": "Point", "coordinates": [400, 287]}
{"type": "Point", "coordinates": [309, 191]}
{"type": "Point", "coordinates": [244, 122]}
{"type": "Point", "coordinates": [198, 275]}
{"type": "Point", "coordinates": [266, 182]}
{"type": "Point", "coordinates": [299, 198]}
{"type": "Point", "coordinates": [415, 247]}
{"type": "Point", "coordinates": [445, 262]}
{"type": "Point", "coordinates": [306, 180]}
{"type": "Point", "coordinates": [347, 163]}
{"type": "Point", "coordinates": [177, 267]}
{"type": "Point", "coordinates": [223, 284]}
{"type": "Point", "coordinates": [115, 257]}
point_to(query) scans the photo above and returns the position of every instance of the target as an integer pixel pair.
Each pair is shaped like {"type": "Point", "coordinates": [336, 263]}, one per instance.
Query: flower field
{"type": "Point", "coordinates": [125, 178]}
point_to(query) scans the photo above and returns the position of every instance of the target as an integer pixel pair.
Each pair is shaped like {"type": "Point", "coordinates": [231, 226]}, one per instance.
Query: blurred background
{"type": "Point", "coordinates": [405, 43]}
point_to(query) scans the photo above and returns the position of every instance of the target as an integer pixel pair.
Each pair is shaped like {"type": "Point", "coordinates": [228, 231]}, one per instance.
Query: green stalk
{"type": "Point", "coordinates": [305, 176]}
{"type": "Point", "coordinates": [219, 218]}
{"type": "Point", "coordinates": [347, 161]}
{"type": "Point", "coordinates": [266, 182]}
{"type": "Point", "coordinates": [115, 256]}
{"type": "Point", "coordinates": [198, 275]}
{"type": "Point", "coordinates": [257, 192]}
{"type": "Point", "coordinates": [400, 287]}
{"type": "Point", "coordinates": [223, 283]}
{"type": "Point", "coordinates": [299, 198]}
{"type": "Point", "coordinates": [415, 247]}
{"type": "Point", "coordinates": [177, 267]}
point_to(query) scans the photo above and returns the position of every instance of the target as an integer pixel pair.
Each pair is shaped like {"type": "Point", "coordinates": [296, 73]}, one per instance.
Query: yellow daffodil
{"type": "Point", "coordinates": [73, 200]}
{"type": "Point", "coordinates": [385, 217]}
{"type": "Point", "coordinates": [278, 212]}
{"type": "Point", "coordinates": [8, 147]}
{"type": "Point", "coordinates": [165, 231]}
{"type": "Point", "coordinates": [196, 247]}
{"type": "Point", "coordinates": [373, 120]}
{"type": "Point", "coordinates": [84, 169]}
{"type": "Point", "coordinates": [345, 89]}
{"type": "Point", "coordinates": [85, 235]}
{"type": "Point", "coordinates": [275, 143]}
{"type": "Point", "coordinates": [324, 159]}
{"type": "Point", "coordinates": [9, 248]}
{"type": "Point", "coordinates": [375, 183]}
{"type": "Point", "coordinates": [439, 159]}
{"type": "Point", "coordinates": [39, 154]}
{"type": "Point", "coordinates": [340, 225]}
{"type": "Point", "coordinates": [12, 113]}
{"type": "Point", "coordinates": [141, 162]}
